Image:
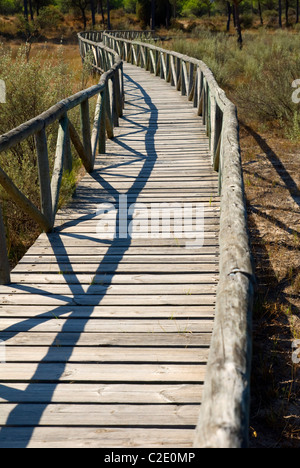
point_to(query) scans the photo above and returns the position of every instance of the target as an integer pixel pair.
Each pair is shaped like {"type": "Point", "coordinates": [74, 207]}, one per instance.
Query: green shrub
{"type": "Point", "coordinates": [32, 86]}
{"type": "Point", "coordinates": [50, 17]}
{"type": "Point", "coordinates": [130, 6]}
{"type": "Point", "coordinates": [257, 78]}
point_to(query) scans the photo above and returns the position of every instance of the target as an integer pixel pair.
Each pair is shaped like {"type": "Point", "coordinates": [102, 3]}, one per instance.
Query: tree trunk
{"type": "Point", "coordinates": [260, 13]}
{"type": "Point", "coordinates": [279, 14]}
{"type": "Point", "coordinates": [31, 10]}
{"type": "Point", "coordinates": [168, 14]}
{"type": "Point", "coordinates": [153, 14]}
{"type": "Point", "coordinates": [108, 16]}
{"type": "Point", "coordinates": [297, 12]}
{"type": "Point", "coordinates": [101, 10]}
{"type": "Point", "coordinates": [233, 15]}
{"type": "Point", "coordinates": [228, 16]}
{"type": "Point", "coordinates": [83, 17]}
{"type": "Point", "coordinates": [238, 25]}
{"type": "Point", "coordinates": [26, 9]}
{"type": "Point", "coordinates": [287, 13]}
{"type": "Point", "coordinates": [92, 3]}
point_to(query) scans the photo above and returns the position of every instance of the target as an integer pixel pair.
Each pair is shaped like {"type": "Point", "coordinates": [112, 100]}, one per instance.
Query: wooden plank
{"type": "Point", "coordinates": [101, 339]}
{"type": "Point", "coordinates": [131, 250]}
{"type": "Point", "coordinates": [99, 415]}
{"type": "Point", "coordinates": [117, 268]}
{"type": "Point", "coordinates": [98, 289]}
{"type": "Point", "coordinates": [69, 372]}
{"type": "Point", "coordinates": [172, 325]}
{"type": "Point", "coordinates": [59, 437]}
{"type": "Point", "coordinates": [129, 279]}
{"type": "Point", "coordinates": [74, 259]}
{"type": "Point", "coordinates": [93, 300]}
{"type": "Point", "coordinates": [57, 239]}
{"type": "Point", "coordinates": [120, 311]}
{"type": "Point", "coordinates": [105, 355]}
{"type": "Point", "coordinates": [101, 393]}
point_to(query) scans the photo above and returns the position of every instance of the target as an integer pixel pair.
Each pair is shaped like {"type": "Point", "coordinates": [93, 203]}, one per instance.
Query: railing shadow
{"type": "Point", "coordinates": [19, 416]}
{"type": "Point", "coordinates": [277, 164]}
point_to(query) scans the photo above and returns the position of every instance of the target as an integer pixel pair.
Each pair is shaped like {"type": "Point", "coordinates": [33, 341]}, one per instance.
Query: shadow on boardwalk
{"type": "Point", "coordinates": [18, 415]}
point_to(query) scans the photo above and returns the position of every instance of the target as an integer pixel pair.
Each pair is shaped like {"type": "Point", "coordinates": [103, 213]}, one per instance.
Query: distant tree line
{"type": "Point", "coordinates": [156, 13]}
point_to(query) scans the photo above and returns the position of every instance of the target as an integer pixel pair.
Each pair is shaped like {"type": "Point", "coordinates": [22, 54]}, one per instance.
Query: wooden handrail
{"type": "Point", "coordinates": [224, 413]}
{"type": "Point", "coordinates": [106, 117]}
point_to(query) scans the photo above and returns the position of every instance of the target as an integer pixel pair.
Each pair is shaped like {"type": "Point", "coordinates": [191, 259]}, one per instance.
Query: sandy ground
{"type": "Point", "coordinates": [272, 181]}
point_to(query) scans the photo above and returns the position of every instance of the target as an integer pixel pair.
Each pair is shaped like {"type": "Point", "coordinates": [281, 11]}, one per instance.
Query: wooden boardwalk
{"type": "Point", "coordinates": [106, 340]}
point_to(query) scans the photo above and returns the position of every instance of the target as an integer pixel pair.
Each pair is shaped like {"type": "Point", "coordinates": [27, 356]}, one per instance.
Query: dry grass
{"type": "Point", "coordinates": [272, 181]}
{"type": "Point", "coordinates": [21, 165]}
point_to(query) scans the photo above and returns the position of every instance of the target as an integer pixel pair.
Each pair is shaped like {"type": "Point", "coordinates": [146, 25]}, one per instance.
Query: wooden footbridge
{"type": "Point", "coordinates": [127, 323]}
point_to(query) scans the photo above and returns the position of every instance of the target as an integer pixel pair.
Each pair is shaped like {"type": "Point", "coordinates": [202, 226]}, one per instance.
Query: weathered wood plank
{"type": "Point", "coordinates": [105, 355]}
{"type": "Point", "coordinates": [94, 300]}
{"type": "Point", "coordinates": [172, 325]}
{"type": "Point", "coordinates": [47, 372]}
{"type": "Point", "coordinates": [113, 415]}
{"type": "Point", "coordinates": [57, 437]}
{"type": "Point", "coordinates": [119, 311]}
{"type": "Point", "coordinates": [105, 339]}
{"type": "Point", "coordinates": [103, 393]}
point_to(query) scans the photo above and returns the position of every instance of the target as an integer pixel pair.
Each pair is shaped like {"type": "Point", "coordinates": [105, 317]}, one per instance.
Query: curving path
{"type": "Point", "coordinates": [107, 338]}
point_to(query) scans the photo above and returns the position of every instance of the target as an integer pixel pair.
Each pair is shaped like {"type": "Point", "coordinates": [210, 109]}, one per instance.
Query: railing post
{"type": "Point", "coordinates": [86, 130]}
{"type": "Point", "coordinates": [44, 174]}
{"type": "Point", "coordinates": [191, 90]}
{"type": "Point", "coordinates": [108, 114]}
{"type": "Point", "coordinates": [117, 93]}
{"type": "Point", "coordinates": [96, 127]}
{"type": "Point", "coordinates": [217, 137]}
{"type": "Point", "coordinates": [102, 130]}
{"type": "Point", "coordinates": [178, 73]}
{"type": "Point", "coordinates": [59, 162]}
{"type": "Point", "coordinates": [122, 86]}
{"type": "Point", "coordinates": [4, 263]}
{"type": "Point", "coordinates": [68, 161]}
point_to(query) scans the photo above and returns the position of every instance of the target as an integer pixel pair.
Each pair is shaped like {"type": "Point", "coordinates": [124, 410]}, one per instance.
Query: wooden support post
{"type": "Point", "coordinates": [68, 160]}
{"type": "Point", "coordinates": [86, 130]}
{"type": "Point", "coordinates": [102, 130]}
{"type": "Point", "coordinates": [184, 83]}
{"type": "Point", "coordinates": [44, 174]}
{"type": "Point", "coordinates": [122, 86]}
{"type": "Point", "coordinates": [108, 115]}
{"type": "Point", "coordinates": [79, 148]}
{"type": "Point", "coordinates": [117, 97]}
{"type": "Point", "coordinates": [59, 163]}
{"type": "Point", "coordinates": [96, 128]}
{"type": "Point", "coordinates": [191, 89]}
{"type": "Point", "coordinates": [196, 90]}
{"type": "Point", "coordinates": [4, 263]}
{"type": "Point", "coordinates": [168, 69]}
{"type": "Point", "coordinates": [178, 74]}
{"type": "Point", "coordinates": [216, 143]}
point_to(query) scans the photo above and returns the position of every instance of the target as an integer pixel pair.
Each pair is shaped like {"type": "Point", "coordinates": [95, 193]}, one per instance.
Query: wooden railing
{"type": "Point", "coordinates": [97, 36]}
{"type": "Point", "coordinates": [224, 413]}
{"type": "Point", "coordinates": [109, 108]}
